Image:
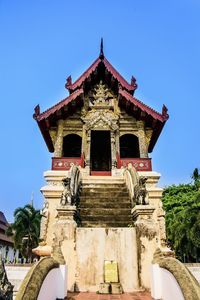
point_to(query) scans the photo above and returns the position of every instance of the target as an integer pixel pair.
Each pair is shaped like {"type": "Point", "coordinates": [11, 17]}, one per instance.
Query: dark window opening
{"type": "Point", "coordinates": [100, 151]}
{"type": "Point", "coordinates": [72, 145]}
{"type": "Point", "coordinates": [129, 146]}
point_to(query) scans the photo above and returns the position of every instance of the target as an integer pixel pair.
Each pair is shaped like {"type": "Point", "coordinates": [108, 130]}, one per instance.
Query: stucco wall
{"type": "Point", "coordinates": [55, 285]}
{"type": "Point", "coordinates": [95, 245]}
{"type": "Point", "coordinates": [164, 285]}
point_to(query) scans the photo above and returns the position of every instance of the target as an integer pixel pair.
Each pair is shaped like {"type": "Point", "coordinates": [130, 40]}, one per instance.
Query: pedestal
{"type": "Point", "coordinates": [64, 240]}
{"type": "Point", "coordinates": [147, 240]}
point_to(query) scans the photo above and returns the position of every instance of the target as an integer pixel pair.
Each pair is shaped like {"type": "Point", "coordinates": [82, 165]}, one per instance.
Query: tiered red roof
{"type": "Point", "coordinates": [79, 82]}
{"type": "Point", "coordinates": [125, 92]}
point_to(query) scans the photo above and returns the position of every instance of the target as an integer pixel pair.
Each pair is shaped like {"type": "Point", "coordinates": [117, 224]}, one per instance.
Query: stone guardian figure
{"type": "Point", "coordinates": [66, 197]}
{"type": "Point", "coordinates": [44, 221]}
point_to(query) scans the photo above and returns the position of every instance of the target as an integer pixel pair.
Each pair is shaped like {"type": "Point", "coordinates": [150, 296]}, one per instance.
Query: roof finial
{"type": "Point", "coordinates": [101, 55]}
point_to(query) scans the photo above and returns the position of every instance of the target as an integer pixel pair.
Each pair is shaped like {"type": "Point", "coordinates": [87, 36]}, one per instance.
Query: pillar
{"type": "Point", "coordinates": [142, 140]}
{"type": "Point", "coordinates": [88, 145]}
{"type": "Point", "coordinates": [113, 149]}
{"type": "Point", "coordinates": [59, 140]}
{"type": "Point", "coordinates": [147, 240]}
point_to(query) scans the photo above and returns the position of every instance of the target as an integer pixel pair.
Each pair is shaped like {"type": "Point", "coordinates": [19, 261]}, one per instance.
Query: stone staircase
{"type": "Point", "coordinates": [104, 202]}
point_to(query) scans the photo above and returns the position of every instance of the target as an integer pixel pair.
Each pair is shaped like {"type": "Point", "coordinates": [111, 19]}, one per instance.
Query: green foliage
{"type": "Point", "coordinates": [26, 229]}
{"type": "Point", "coordinates": [182, 206]}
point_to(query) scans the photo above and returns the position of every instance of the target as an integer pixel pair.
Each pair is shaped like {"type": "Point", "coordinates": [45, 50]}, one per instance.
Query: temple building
{"type": "Point", "coordinates": [8, 253]}
{"type": "Point", "coordinates": [101, 200]}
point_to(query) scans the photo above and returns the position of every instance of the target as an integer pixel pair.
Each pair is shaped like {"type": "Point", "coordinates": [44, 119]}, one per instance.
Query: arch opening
{"type": "Point", "coordinates": [129, 146]}
{"type": "Point", "coordinates": [72, 145]}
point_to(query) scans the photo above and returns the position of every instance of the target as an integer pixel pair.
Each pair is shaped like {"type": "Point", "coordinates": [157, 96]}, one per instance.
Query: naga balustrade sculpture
{"type": "Point", "coordinates": [6, 288]}
{"type": "Point", "coordinates": [136, 186]}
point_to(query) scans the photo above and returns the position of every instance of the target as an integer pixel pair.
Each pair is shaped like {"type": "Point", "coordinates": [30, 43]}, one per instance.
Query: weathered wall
{"type": "Point", "coordinates": [95, 245]}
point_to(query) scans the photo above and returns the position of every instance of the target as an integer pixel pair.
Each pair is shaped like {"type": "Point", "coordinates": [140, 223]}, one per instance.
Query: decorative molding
{"type": "Point", "coordinates": [101, 119]}
{"type": "Point", "coordinates": [100, 97]}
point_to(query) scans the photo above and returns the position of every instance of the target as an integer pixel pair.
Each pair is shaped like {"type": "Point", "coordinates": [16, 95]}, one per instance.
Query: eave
{"type": "Point", "coordinates": [143, 111]}
{"type": "Point", "coordinates": [44, 117]}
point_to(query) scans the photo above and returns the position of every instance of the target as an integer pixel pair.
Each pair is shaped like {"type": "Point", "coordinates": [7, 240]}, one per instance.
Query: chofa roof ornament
{"type": "Point", "coordinates": [101, 54]}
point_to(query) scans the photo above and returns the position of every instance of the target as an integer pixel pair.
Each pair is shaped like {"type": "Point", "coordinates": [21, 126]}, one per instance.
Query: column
{"type": "Point", "coordinates": [147, 240]}
{"type": "Point", "coordinates": [87, 154]}
{"type": "Point", "coordinates": [142, 140]}
{"type": "Point", "coordinates": [59, 140]}
{"type": "Point", "coordinates": [113, 149]}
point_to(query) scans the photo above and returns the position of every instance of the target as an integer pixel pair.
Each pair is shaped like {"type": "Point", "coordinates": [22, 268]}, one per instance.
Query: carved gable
{"type": "Point", "coordinates": [100, 97]}
{"type": "Point", "coordinates": [101, 119]}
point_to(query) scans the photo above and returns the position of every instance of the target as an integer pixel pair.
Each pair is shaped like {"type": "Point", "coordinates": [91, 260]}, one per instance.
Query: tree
{"type": "Point", "coordinates": [26, 229]}
{"type": "Point", "coordinates": [196, 177]}
{"type": "Point", "coordinates": [182, 206]}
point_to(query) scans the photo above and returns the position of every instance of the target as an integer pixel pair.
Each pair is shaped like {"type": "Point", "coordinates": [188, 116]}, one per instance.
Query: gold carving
{"type": "Point", "coordinates": [101, 95]}
{"type": "Point", "coordinates": [111, 271]}
{"type": "Point", "coordinates": [101, 119]}
{"type": "Point", "coordinates": [149, 133]}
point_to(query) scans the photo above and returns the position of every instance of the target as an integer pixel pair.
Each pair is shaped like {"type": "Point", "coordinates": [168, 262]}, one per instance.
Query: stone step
{"type": "Point", "coordinates": [104, 204]}
{"type": "Point", "coordinates": [101, 218]}
{"type": "Point", "coordinates": [103, 192]}
{"type": "Point", "coordinates": [110, 187]}
{"type": "Point", "coordinates": [105, 211]}
{"type": "Point", "coordinates": [105, 197]}
{"type": "Point", "coordinates": [102, 179]}
{"type": "Point", "coordinates": [97, 224]}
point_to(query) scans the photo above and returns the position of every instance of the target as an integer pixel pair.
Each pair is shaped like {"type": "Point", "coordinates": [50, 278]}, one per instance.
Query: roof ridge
{"type": "Point", "coordinates": [107, 61]}
{"type": "Point", "coordinates": [77, 83]}
{"type": "Point", "coordinates": [84, 73]}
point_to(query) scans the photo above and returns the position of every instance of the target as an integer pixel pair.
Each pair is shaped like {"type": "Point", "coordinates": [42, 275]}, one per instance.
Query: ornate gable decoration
{"type": "Point", "coordinates": [100, 97]}
{"type": "Point", "coordinates": [101, 119]}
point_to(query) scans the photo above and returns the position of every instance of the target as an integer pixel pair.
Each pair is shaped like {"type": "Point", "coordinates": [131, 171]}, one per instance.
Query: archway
{"type": "Point", "coordinates": [100, 150]}
{"type": "Point", "coordinates": [129, 146]}
{"type": "Point", "coordinates": [72, 145]}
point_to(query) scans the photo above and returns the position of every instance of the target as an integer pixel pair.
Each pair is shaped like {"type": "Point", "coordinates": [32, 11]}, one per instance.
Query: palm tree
{"type": "Point", "coordinates": [26, 229]}
{"type": "Point", "coordinates": [196, 177]}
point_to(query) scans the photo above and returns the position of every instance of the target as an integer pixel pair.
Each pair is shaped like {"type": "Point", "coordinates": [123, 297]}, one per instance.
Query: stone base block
{"type": "Point", "coordinates": [116, 288]}
{"type": "Point", "coordinates": [110, 288]}
{"type": "Point", "coordinates": [104, 288]}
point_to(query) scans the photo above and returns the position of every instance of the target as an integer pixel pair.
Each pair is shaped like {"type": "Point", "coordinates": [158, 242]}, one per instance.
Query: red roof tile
{"type": "Point", "coordinates": [78, 83]}
{"type": "Point", "coordinates": [58, 106]}
{"type": "Point", "coordinates": [156, 115]}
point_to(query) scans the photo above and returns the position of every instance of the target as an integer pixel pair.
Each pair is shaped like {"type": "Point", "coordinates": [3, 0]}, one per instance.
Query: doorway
{"type": "Point", "coordinates": [100, 152]}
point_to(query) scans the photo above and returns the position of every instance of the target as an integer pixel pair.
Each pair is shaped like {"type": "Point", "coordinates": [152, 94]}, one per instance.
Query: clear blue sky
{"type": "Point", "coordinates": [42, 42]}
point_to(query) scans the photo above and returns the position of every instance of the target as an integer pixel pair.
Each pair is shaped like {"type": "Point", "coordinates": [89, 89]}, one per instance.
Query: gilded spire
{"type": "Point", "coordinates": [101, 55]}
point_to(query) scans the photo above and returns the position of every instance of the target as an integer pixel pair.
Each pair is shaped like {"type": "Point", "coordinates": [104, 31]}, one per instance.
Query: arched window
{"type": "Point", "coordinates": [129, 146]}
{"type": "Point", "coordinates": [72, 145]}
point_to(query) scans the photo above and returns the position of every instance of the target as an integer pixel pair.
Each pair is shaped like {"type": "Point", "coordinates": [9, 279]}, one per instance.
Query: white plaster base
{"type": "Point", "coordinates": [54, 285]}
{"type": "Point", "coordinates": [95, 245]}
{"type": "Point", "coordinates": [164, 285]}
